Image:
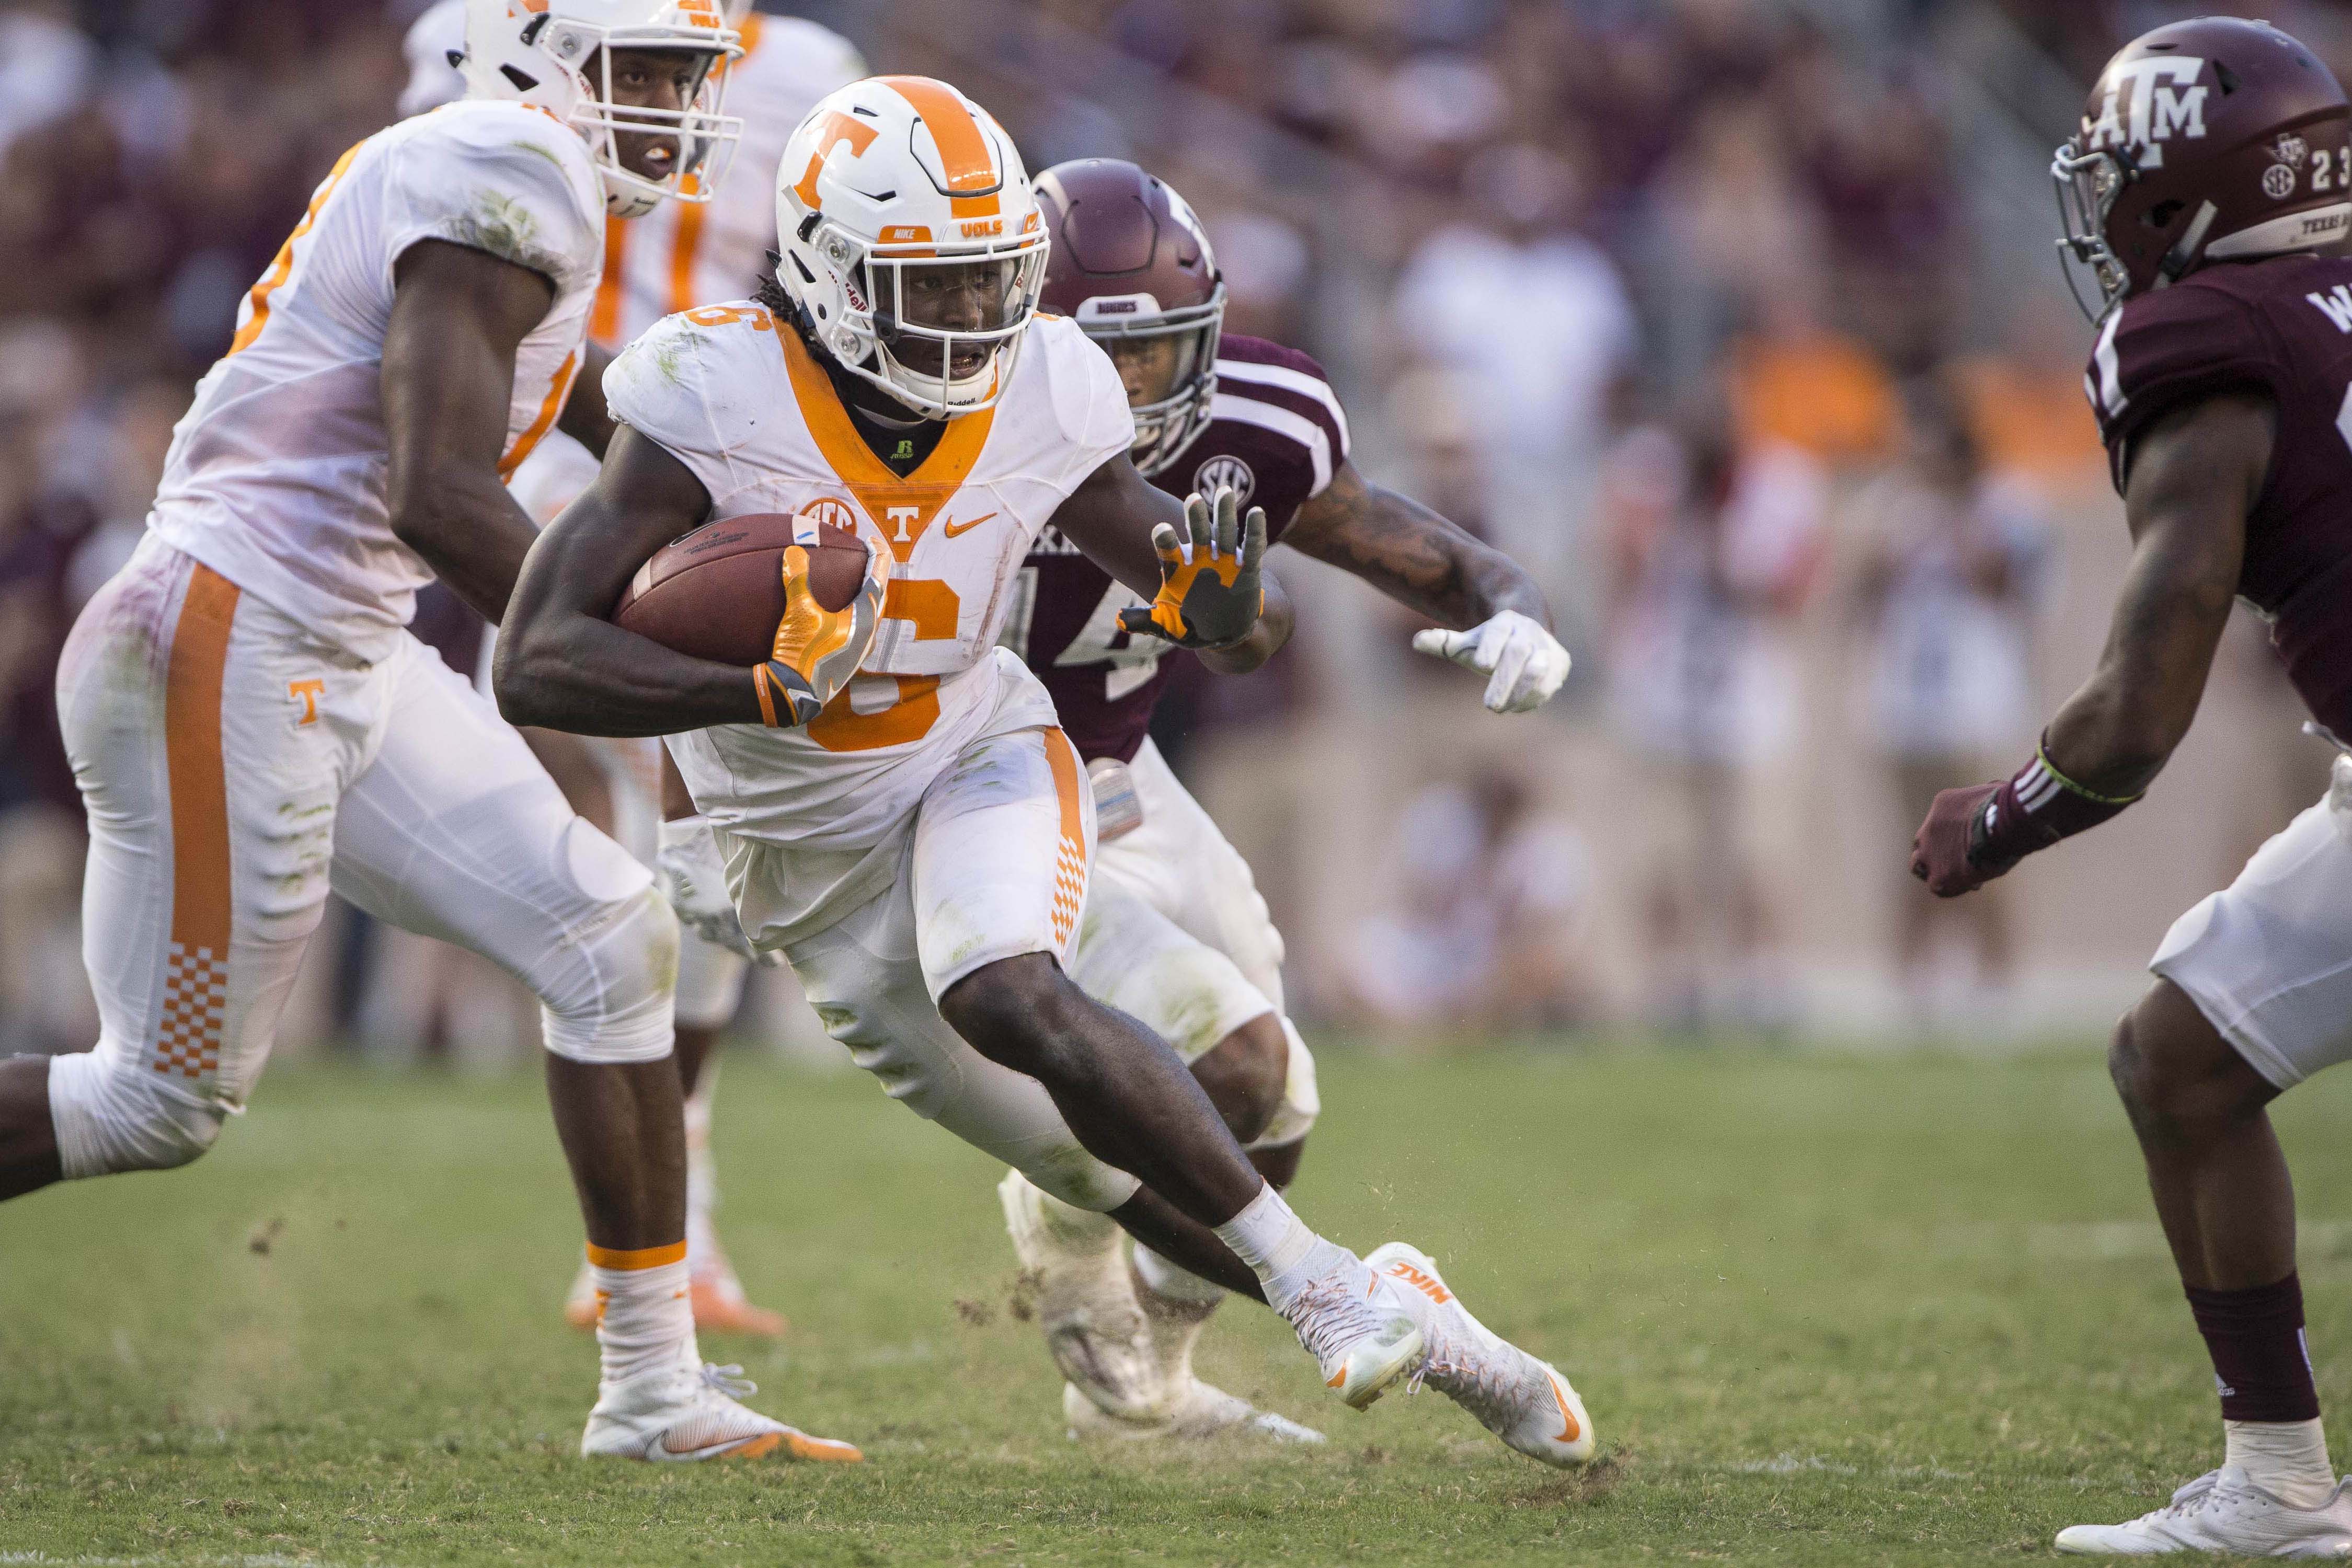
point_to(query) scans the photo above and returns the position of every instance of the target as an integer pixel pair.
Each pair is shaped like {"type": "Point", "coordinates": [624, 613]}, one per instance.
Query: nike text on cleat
{"type": "Point", "coordinates": [1086, 1303]}
{"type": "Point", "coordinates": [1360, 1334]}
{"type": "Point", "coordinates": [1198, 1413]}
{"type": "Point", "coordinates": [686, 1414]}
{"type": "Point", "coordinates": [2225, 1511]}
{"type": "Point", "coordinates": [1524, 1402]}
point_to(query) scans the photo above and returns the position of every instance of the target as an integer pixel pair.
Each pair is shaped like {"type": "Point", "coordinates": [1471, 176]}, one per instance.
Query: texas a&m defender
{"type": "Point", "coordinates": [1175, 932]}
{"type": "Point", "coordinates": [2208, 191]}
{"type": "Point", "coordinates": [916, 837]}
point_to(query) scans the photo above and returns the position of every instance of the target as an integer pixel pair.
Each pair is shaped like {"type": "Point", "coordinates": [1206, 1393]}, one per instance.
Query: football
{"type": "Point", "coordinates": [718, 593]}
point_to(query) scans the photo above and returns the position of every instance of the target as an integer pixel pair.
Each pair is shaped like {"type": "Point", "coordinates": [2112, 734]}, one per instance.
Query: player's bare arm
{"type": "Point", "coordinates": [560, 663]}
{"type": "Point", "coordinates": [458, 316]}
{"type": "Point", "coordinates": [2194, 474]}
{"type": "Point", "coordinates": [1412, 555]}
{"type": "Point", "coordinates": [584, 418]}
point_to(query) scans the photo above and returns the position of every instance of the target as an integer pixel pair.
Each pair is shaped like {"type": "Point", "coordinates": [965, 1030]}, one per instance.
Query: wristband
{"type": "Point", "coordinates": [767, 702]}
{"type": "Point", "coordinates": [2034, 809]}
{"type": "Point", "coordinates": [785, 700]}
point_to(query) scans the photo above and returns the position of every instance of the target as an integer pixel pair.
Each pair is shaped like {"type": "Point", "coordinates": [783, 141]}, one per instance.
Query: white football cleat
{"type": "Point", "coordinates": [691, 1414]}
{"type": "Point", "coordinates": [1524, 1402]}
{"type": "Point", "coordinates": [1086, 1301]}
{"type": "Point", "coordinates": [2224, 1510]}
{"type": "Point", "coordinates": [1361, 1335]}
{"type": "Point", "coordinates": [1201, 1411]}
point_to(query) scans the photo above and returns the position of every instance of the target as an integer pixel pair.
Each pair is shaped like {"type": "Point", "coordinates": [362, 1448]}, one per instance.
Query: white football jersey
{"type": "Point", "coordinates": [686, 253]}
{"type": "Point", "coordinates": [738, 398]}
{"type": "Point", "coordinates": [276, 476]}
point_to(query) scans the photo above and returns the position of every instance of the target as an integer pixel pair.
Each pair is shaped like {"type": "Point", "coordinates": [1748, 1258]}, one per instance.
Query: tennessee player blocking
{"type": "Point", "coordinates": [251, 722]}
{"type": "Point", "coordinates": [671, 258]}
{"type": "Point", "coordinates": [1175, 932]}
{"type": "Point", "coordinates": [2207, 190]}
{"type": "Point", "coordinates": [911, 829]}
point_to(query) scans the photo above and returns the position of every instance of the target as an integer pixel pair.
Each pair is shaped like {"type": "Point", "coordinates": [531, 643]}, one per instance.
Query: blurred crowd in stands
{"type": "Point", "coordinates": [1679, 300]}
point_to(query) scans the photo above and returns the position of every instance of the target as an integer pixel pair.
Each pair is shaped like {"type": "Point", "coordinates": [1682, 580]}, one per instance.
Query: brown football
{"type": "Point", "coordinates": [718, 592]}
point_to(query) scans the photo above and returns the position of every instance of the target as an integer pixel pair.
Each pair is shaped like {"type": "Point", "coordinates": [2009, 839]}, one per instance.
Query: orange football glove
{"type": "Point", "coordinates": [1209, 598]}
{"type": "Point", "coordinates": [816, 649]}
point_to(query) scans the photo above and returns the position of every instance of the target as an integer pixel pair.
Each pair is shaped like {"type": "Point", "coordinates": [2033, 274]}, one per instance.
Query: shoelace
{"type": "Point", "coordinates": [1328, 1312]}
{"type": "Point", "coordinates": [2190, 1499]}
{"type": "Point", "coordinates": [727, 1380]}
{"type": "Point", "coordinates": [1486, 1385]}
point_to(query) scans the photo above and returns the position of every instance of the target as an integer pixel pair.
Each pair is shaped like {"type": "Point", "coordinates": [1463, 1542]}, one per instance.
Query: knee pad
{"type": "Point", "coordinates": [1302, 1103]}
{"type": "Point", "coordinates": [606, 991]}
{"type": "Point", "coordinates": [110, 1118]}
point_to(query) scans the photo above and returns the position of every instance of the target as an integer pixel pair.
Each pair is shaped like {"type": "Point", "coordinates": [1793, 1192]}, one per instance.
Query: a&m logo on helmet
{"type": "Point", "coordinates": [2148, 101]}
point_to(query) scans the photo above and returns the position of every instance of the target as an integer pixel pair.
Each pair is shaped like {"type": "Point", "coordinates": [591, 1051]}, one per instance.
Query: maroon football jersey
{"type": "Point", "coordinates": [1276, 433]}
{"type": "Point", "coordinates": [2282, 326]}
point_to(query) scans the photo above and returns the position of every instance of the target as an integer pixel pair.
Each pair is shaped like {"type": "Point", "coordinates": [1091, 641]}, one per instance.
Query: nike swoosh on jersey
{"type": "Point", "coordinates": [953, 529]}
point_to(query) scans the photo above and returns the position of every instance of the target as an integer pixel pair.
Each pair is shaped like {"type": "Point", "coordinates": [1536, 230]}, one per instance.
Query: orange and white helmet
{"type": "Point", "coordinates": [543, 52]}
{"type": "Point", "coordinates": [909, 241]}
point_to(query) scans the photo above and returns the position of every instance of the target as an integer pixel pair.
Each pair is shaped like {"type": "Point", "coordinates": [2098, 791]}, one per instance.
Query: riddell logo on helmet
{"type": "Point", "coordinates": [2148, 102]}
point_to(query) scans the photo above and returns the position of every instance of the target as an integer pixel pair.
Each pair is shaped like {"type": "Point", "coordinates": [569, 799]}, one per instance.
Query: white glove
{"type": "Point", "coordinates": [1525, 662]}
{"type": "Point", "coordinates": [695, 881]}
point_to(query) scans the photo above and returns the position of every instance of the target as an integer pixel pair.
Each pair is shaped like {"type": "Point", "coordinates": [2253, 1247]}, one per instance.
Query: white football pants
{"type": "Point", "coordinates": [235, 768]}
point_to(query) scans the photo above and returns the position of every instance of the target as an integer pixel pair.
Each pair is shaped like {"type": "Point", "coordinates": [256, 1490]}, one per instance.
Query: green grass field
{"type": "Point", "coordinates": [1824, 1311]}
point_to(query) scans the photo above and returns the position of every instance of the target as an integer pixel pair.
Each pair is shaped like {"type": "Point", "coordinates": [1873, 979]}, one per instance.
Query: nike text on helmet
{"type": "Point", "coordinates": [558, 54]}
{"type": "Point", "coordinates": [1128, 261]}
{"type": "Point", "coordinates": [2216, 139]}
{"type": "Point", "coordinates": [897, 194]}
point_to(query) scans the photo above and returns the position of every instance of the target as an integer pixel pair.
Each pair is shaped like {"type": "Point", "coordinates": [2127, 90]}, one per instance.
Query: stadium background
{"type": "Point", "coordinates": [1529, 238]}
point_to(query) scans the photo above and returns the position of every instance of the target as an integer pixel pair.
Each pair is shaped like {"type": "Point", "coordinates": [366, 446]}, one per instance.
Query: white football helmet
{"type": "Point", "coordinates": [900, 202]}
{"type": "Point", "coordinates": [542, 51]}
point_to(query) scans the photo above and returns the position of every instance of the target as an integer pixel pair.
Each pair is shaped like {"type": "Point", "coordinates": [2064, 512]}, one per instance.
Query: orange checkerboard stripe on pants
{"type": "Point", "coordinates": [234, 766]}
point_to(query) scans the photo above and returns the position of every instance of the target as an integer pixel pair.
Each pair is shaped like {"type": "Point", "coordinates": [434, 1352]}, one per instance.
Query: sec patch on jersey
{"type": "Point", "coordinates": [718, 593]}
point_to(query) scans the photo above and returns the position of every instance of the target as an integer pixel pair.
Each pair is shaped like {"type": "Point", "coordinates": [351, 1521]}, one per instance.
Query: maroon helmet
{"type": "Point", "coordinates": [1129, 263]}
{"type": "Point", "coordinates": [2215, 139]}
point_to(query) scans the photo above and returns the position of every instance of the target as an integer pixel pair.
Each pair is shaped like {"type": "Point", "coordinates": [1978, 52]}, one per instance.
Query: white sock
{"type": "Point", "coordinates": [644, 1316]}
{"type": "Point", "coordinates": [1281, 1251]}
{"type": "Point", "coordinates": [1174, 1282]}
{"type": "Point", "coordinates": [2287, 1459]}
{"type": "Point", "coordinates": [701, 1176]}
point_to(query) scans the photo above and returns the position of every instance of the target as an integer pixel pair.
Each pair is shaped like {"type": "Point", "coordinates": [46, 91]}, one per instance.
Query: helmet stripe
{"type": "Point", "coordinates": [963, 151]}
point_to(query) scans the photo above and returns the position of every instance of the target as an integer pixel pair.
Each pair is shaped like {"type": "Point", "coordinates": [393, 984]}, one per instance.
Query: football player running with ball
{"type": "Point", "coordinates": [2207, 190]}
{"type": "Point", "coordinates": [1175, 933]}
{"type": "Point", "coordinates": [251, 723]}
{"type": "Point", "coordinates": [900, 815]}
